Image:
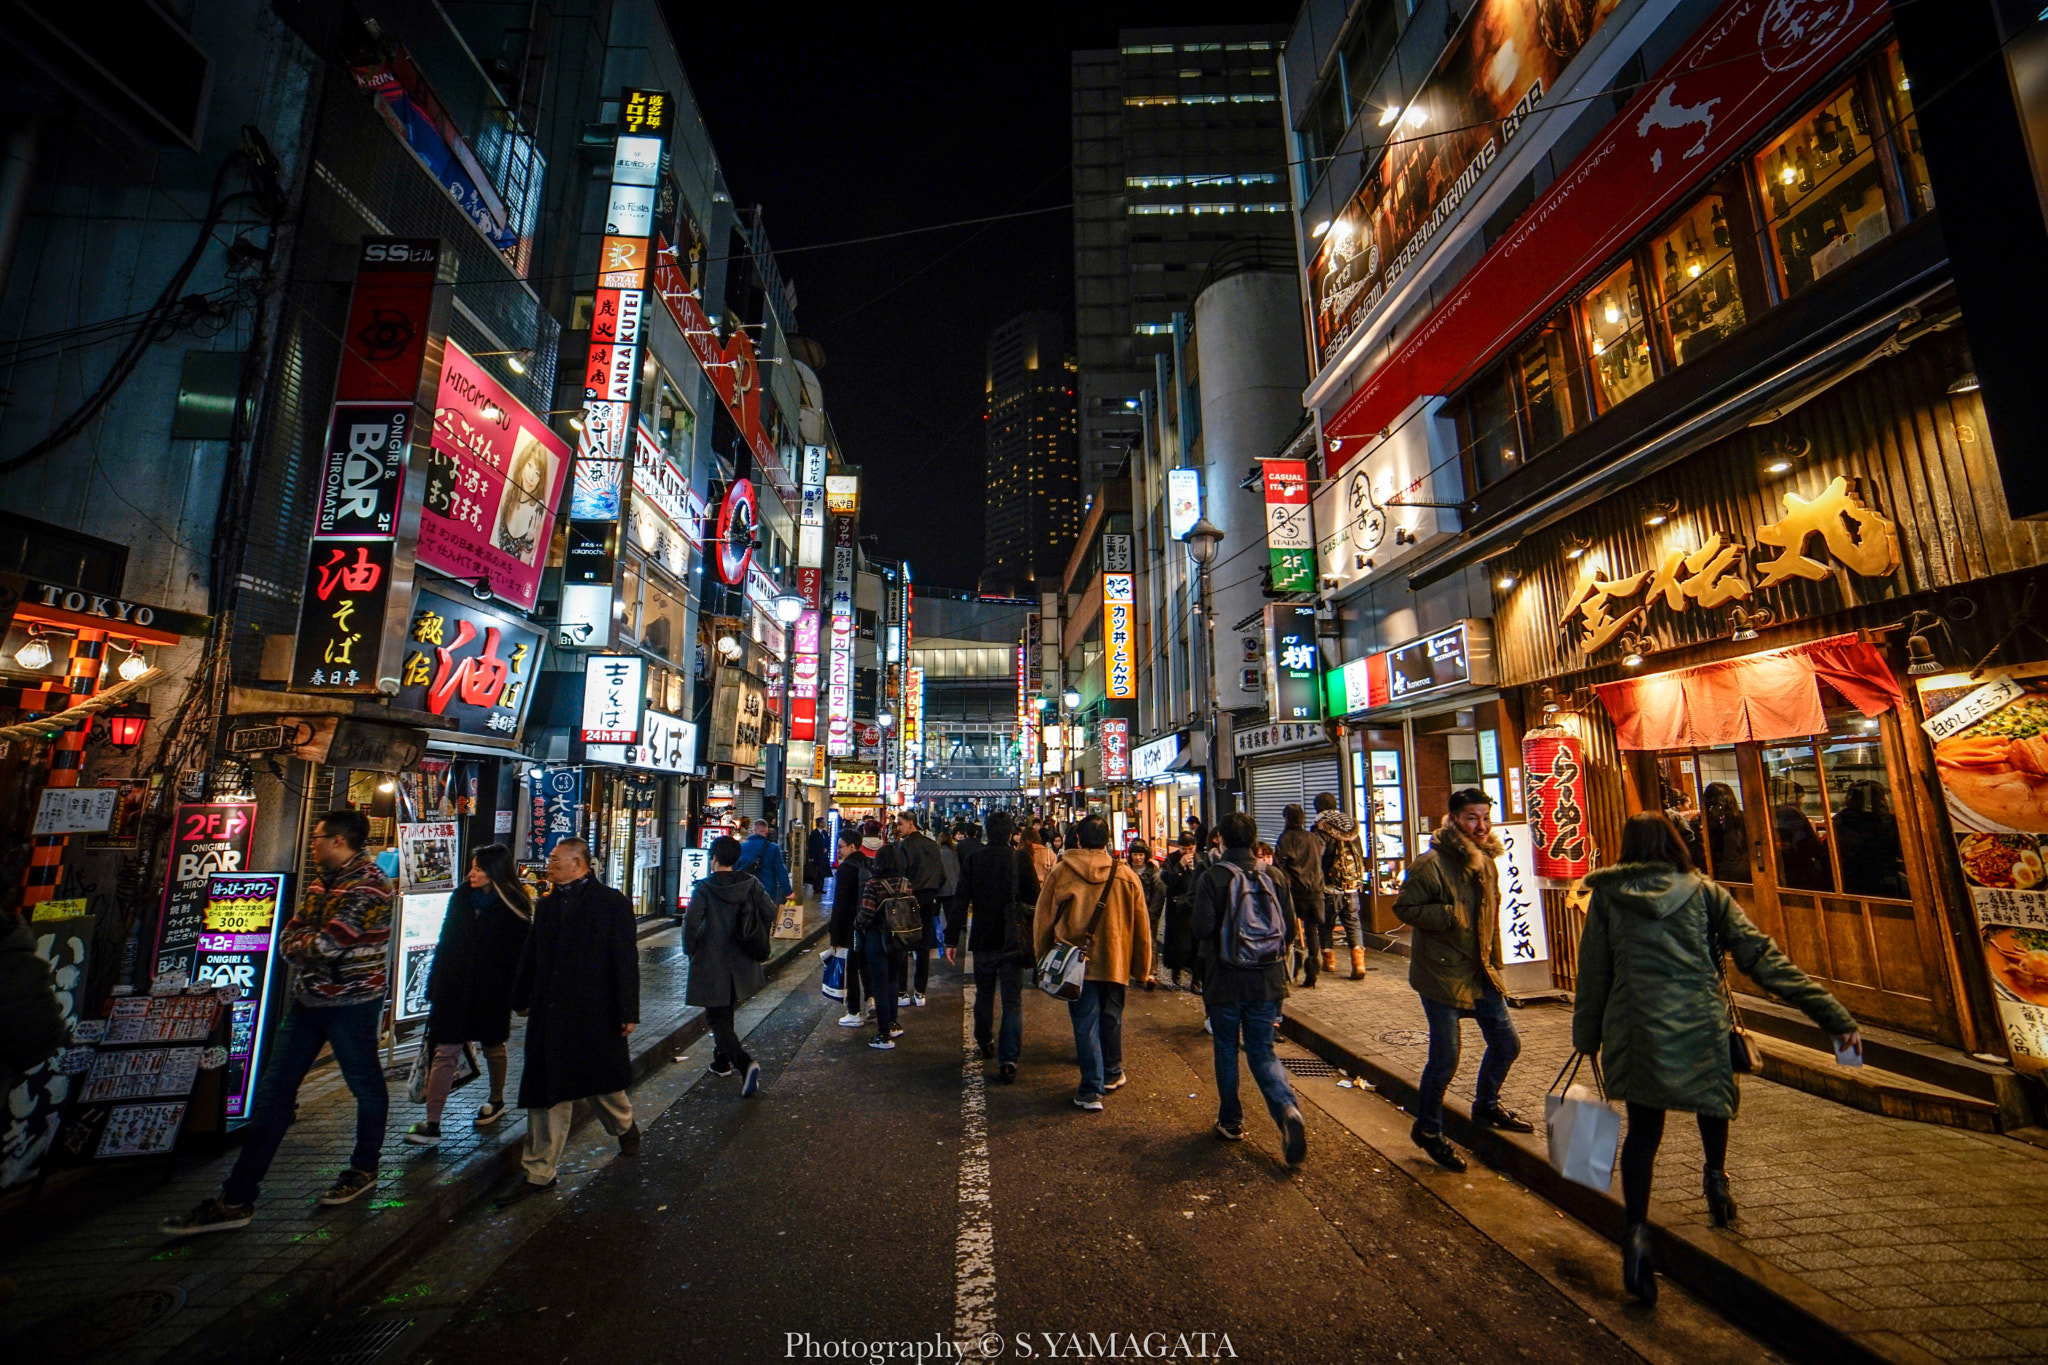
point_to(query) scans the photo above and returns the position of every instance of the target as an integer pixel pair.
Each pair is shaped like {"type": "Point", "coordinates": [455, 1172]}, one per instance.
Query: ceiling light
{"type": "Point", "coordinates": [1966, 382]}
{"type": "Point", "coordinates": [35, 654]}
{"type": "Point", "coordinates": [1576, 550]}
{"type": "Point", "coordinates": [1320, 228]}
{"type": "Point", "coordinates": [1506, 580]}
{"type": "Point", "coordinates": [1634, 658]}
{"type": "Point", "coordinates": [519, 359]}
{"type": "Point", "coordinates": [387, 786]}
{"type": "Point", "coordinates": [1389, 114]}
{"type": "Point", "coordinates": [1550, 706]}
{"type": "Point", "coordinates": [1920, 659]}
{"type": "Point", "coordinates": [1777, 466]}
{"type": "Point", "coordinates": [133, 667]}
{"type": "Point", "coordinates": [1657, 518]}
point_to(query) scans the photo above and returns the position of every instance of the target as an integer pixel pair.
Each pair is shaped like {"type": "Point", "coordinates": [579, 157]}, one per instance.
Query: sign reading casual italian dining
{"type": "Point", "coordinates": [1290, 540]}
{"type": "Point", "coordinates": [1555, 764]}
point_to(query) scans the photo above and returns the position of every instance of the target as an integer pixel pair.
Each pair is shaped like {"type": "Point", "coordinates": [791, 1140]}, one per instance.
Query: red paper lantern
{"type": "Point", "coordinates": [1556, 764]}
{"type": "Point", "coordinates": [125, 725]}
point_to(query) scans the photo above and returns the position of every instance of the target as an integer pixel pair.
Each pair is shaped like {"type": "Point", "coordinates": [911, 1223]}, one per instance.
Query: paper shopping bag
{"type": "Point", "coordinates": [1584, 1131]}
{"type": "Point", "coordinates": [833, 983]}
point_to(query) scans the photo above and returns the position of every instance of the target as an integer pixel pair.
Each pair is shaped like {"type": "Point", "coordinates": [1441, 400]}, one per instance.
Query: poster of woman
{"type": "Point", "coordinates": [523, 511]}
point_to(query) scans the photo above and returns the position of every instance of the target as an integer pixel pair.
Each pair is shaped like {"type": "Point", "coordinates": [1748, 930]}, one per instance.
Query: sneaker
{"type": "Point", "coordinates": [424, 1135]}
{"type": "Point", "coordinates": [1228, 1132]}
{"type": "Point", "coordinates": [719, 1068]}
{"type": "Point", "coordinates": [211, 1215]}
{"type": "Point", "coordinates": [1093, 1106]}
{"type": "Point", "coordinates": [520, 1188]}
{"type": "Point", "coordinates": [1122, 1079]}
{"type": "Point", "coordinates": [629, 1141]}
{"type": "Point", "coordinates": [1209, 1027]}
{"type": "Point", "coordinates": [348, 1187]}
{"type": "Point", "coordinates": [851, 1020]}
{"type": "Point", "coordinates": [1293, 1138]}
{"type": "Point", "coordinates": [902, 1002]}
{"type": "Point", "coordinates": [885, 1044]}
{"type": "Point", "coordinates": [895, 1030]}
{"type": "Point", "coordinates": [752, 1084]}
{"type": "Point", "coordinates": [1507, 1120]}
{"type": "Point", "coordinates": [917, 999]}
{"type": "Point", "coordinates": [490, 1113]}
{"type": "Point", "coordinates": [1439, 1148]}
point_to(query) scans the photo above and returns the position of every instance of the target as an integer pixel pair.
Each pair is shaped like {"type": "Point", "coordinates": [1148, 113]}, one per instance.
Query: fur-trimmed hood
{"type": "Point", "coordinates": [1453, 846]}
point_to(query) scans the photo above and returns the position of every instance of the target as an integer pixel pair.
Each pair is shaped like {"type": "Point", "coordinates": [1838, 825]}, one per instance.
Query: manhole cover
{"type": "Point", "coordinates": [352, 1343]}
{"type": "Point", "coordinates": [1308, 1066]}
{"type": "Point", "coordinates": [1405, 1037]}
{"type": "Point", "coordinates": [102, 1323]}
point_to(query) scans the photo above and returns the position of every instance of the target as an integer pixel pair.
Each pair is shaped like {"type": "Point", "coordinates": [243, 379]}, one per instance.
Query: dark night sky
{"type": "Point", "coordinates": [856, 120]}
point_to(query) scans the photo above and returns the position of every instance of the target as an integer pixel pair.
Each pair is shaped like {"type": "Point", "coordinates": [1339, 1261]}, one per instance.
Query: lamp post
{"type": "Point", "coordinates": [1203, 540]}
{"type": "Point", "coordinates": [1038, 743]}
{"type": "Point", "coordinates": [788, 607]}
{"type": "Point", "coordinates": [1070, 703]}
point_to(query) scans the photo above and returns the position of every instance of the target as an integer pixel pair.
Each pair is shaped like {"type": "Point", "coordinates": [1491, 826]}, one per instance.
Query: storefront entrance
{"type": "Point", "coordinates": [1814, 838]}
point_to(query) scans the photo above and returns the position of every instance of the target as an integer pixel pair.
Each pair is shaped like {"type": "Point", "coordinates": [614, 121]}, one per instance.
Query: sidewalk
{"type": "Point", "coordinates": [1902, 1237]}
{"type": "Point", "coordinates": [91, 1268]}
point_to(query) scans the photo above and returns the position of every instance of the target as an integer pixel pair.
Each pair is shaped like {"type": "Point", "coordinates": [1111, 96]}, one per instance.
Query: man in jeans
{"type": "Point", "coordinates": [997, 879]}
{"type": "Point", "coordinates": [1119, 946]}
{"type": "Point", "coordinates": [918, 860]}
{"type": "Point", "coordinates": [1452, 898]}
{"type": "Point", "coordinates": [337, 942]}
{"type": "Point", "coordinates": [1245, 1000]}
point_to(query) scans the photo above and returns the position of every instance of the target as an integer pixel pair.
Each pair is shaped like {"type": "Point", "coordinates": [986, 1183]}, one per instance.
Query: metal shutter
{"type": "Point", "coordinates": [1276, 786]}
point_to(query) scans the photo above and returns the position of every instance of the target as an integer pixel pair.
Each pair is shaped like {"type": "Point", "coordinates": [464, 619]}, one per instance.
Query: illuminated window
{"type": "Point", "coordinates": [1822, 190]}
{"type": "Point", "coordinates": [1212, 208]}
{"type": "Point", "coordinates": [1254, 99]}
{"type": "Point", "coordinates": [1617, 341]}
{"type": "Point", "coordinates": [1157, 208]}
{"type": "Point", "coordinates": [1153, 329]}
{"type": "Point", "coordinates": [1141, 101]}
{"type": "Point", "coordinates": [1699, 300]}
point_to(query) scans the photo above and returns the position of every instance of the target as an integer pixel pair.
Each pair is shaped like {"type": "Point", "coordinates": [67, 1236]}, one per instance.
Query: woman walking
{"type": "Point", "coordinates": [469, 988]}
{"type": "Point", "coordinates": [848, 882]}
{"type": "Point", "coordinates": [1155, 895]}
{"type": "Point", "coordinates": [1653, 1004]}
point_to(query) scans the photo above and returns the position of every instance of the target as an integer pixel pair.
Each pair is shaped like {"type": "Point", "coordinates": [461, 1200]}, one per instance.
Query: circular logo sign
{"type": "Point", "coordinates": [738, 520]}
{"type": "Point", "coordinates": [1793, 32]}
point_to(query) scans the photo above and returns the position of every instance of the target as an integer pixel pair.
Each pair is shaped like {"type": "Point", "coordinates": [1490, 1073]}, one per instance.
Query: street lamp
{"type": "Point", "coordinates": [787, 606]}
{"type": "Point", "coordinates": [1072, 699]}
{"type": "Point", "coordinates": [1203, 539]}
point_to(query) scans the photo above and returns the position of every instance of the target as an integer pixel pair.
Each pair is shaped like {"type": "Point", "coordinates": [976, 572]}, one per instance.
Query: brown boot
{"type": "Point", "coordinates": [1329, 959]}
{"type": "Point", "coordinates": [1358, 964]}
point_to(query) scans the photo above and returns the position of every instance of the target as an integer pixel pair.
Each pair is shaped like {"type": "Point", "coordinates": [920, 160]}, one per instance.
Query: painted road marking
{"type": "Point", "coordinates": [974, 1256]}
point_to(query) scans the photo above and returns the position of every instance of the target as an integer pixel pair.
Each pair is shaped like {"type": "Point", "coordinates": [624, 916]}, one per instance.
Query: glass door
{"type": "Point", "coordinates": [1381, 775]}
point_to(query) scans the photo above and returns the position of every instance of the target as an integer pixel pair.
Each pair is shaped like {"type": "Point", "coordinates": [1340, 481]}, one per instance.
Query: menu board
{"type": "Point", "coordinates": [139, 1073]}
{"type": "Point", "coordinates": [420, 916]}
{"type": "Point", "coordinates": [241, 920]}
{"type": "Point", "coordinates": [1990, 734]}
{"type": "Point", "coordinates": [206, 838]}
{"type": "Point", "coordinates": [141, 1130]}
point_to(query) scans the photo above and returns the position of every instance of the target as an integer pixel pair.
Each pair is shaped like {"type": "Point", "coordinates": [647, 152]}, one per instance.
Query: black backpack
{"type": "Point", "coordinates": [750, 932]}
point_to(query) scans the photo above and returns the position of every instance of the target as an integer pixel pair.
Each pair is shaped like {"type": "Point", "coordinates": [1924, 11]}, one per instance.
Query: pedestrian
{"type": "Point", "coordinates": [469, 988]}
{"type": "Point", "coordinates": [1002, 898]}
{"type": "Point", "coordinates": [966, 845]}
{"type": "Point", "coordinates": [1343, 881]}
{"type": "Point", "coordinates": [1299, 858]}
{"type": "Point", "coordinates": [1452, 898]}
{"type": "Point", "coordinates": [1140, 854]}
{"type": "Point", "coordinates": [849, 879]}
{"type": "Point", "coordinates": [1096, 902]}
{"type": "Point", "coordinates": [815, 866]}
{"type": "Point", "coordinates": [874, 942]}
{"type": "Point", "coordinates": [761, 858]}
{"type": "Point", "coordinates": [32, 1024]}
{"type": "Point", "coordinates": [338, 944]}
{"type": "Point", "coordinates": [920, 863]}
{"type": "Point", "coordinates": [949, 889]}
{"type": "Point", "coordinates": [1243, 920]}
{"type": "Point", "coordinates": [1055, 839]}
{"type": "Point", "coordinates": [1177, 943]}
{"type": "Point", "coordinates": [1652, 1004]}
{"type": "Point", "coordinates": [726, 935]}
{"type": "Point", "coordinates": [1038, 850]}
{"type": "Point", "coordinates": [579, 986]}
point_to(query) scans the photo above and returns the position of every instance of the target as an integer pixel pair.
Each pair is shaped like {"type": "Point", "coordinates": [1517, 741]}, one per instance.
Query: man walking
{"type": "Point", "coordinates": [1299, 858]}
{"type": "Point", "coordinates": [1452, 897]}
{"type": "Point", "coordinates": [761, 858]}
{"type": "Point", "coordinates": [338, 943]}
{"type": "Point", "coordinates": [1098, 903]}
{"type": "Point", "coordinates": [815, 866]}
{"type": "Point", "coordinates": [1343, 879]}
{"type": "Point", "coordinates": [579, 985]}
{"type": "Point", "coordinates": [917, 859]}
{"type": "Point", "coordinates": [1001, 897]}
{"type": "Point", "coordinates": [727, 910]}
{"type": "Point", "coordinates": [1243, 921]}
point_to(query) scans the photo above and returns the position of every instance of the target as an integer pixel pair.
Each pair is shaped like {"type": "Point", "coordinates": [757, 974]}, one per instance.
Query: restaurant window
{"type": "Point", "coordinates": [1823, 193]}
{"type": "Point", "coordinates": [1617, 340]}
{"type": "Point", "coordinates": [1699, 300]}
{"type": "Point", "coordinates": [1833, 822]}
{"type": "Point", "coordinates": [1488, 429]}
{"type": "Point", "coordinates": [675, 425]}
{"type": "Point", "coordinates": [1898, 93]}
{"type": "Point", "coordinates": [1551, 406]}
{"type": "Point", "coordinates": [1701, 790]}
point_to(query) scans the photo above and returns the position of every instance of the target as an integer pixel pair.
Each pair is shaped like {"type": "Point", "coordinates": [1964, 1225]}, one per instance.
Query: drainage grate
{"type": "Point", "coordinates": [1308, 1066]}
{"type": "Point", "coordinates": [355, 1343]}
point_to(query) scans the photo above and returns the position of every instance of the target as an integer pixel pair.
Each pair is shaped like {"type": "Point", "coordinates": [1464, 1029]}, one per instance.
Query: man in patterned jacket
{"type": "Point", "coordinates": [338, 941]}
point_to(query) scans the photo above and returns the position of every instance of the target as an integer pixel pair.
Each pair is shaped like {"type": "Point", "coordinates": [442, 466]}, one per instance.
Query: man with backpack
{"type": "Point", "coordinates": [1343, 880]}
{"type": "Point", "coordinates": [1097, 903]}
{"type": "Point", "coordinates": [1001, 898]}
{"type": "Point", "coordinates": [849, 880]}
{"type": "Point", "coordinates": [726, 933]}
{"type": "Point", "coordinates": [1298, 858]}
{"type": "Point", "coordinates": [891, 918]}
{"type": "Point", "coordinates": [761, 858]}
{"type": "Point", "coordinates": [1243, 922]}
{"type": "Point", "coordinates": [926, 872]}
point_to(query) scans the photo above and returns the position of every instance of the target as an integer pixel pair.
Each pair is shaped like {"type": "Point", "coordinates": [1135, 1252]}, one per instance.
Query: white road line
{"type": "Point", "coordinates": [974, 1273]}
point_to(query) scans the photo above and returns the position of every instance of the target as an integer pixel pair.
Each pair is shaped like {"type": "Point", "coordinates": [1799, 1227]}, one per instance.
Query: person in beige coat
{"type": "Point", "coordinates": [1119, 948]}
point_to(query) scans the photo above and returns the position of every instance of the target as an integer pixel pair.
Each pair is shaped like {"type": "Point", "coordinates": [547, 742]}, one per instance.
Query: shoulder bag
{"type": "Point", "coordinates": [1064, 969]}
{"type": "Point", "coordinates": [1743, 1054]}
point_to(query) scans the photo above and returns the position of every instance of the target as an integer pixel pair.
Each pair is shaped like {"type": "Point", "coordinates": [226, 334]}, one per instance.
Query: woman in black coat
{"type": "Point", "coordinates": [579, 985]}
{"type": "Point", "coordinates": [469, 988]}
{"type": "Point", "coordinates": [851, 878]}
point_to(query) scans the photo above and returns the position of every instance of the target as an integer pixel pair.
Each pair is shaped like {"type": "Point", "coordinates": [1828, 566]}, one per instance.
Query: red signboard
{"type": "Point", "coordinates": [1116, 751]}
{"type": "Point", "coordinates": [1556, 764]}
{"type": "Point", "coordinates": [810, 584]}
{"type": "Point", "coordinates": [734, 370]}
{"type": "Point", "coordinates": [1741, 70]}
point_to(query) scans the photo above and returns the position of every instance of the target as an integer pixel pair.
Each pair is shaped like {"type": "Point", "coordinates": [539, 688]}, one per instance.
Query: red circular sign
{"type": "Point", "coordinates": [871, 735]}
{"type": "Point", "coordinates": [738, 520]}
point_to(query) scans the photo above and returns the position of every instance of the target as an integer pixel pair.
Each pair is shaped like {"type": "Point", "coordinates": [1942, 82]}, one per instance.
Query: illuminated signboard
{"type": "Point", "coordinates": [614, 691]}
{"type": "Point", "coordinates": [1183, 501]}
{"type": "Point", "coordinates": [1119, 636]}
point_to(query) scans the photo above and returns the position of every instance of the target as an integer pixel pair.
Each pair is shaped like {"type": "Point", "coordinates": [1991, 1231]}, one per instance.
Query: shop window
{"type": "Point", "coordinates": [1699, 300]}
{"type": "Point", "coordinates": [1798, 818]}
{"type": "Point", "coordinates": [1823, 193]}
{"type": "Point", "coordinates": [1617, 340]}
{"type": "Point", "coordinates": [1490, 431]}
{"type": "Point", "coordinates": [1551, 406]}
{"type": "Point", "coordinates": [675, 425]}
{"type": "Point", "coordinates": [1701, 791]}
{"type": "Point", "coordinates": [1898, 93]}
{"type": "Point", "coordinates": [1833, 821]}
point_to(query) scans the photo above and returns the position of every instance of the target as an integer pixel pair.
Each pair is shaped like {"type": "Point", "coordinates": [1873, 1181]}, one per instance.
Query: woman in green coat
{"type": "Point", "coordinates": [1650, 1003]}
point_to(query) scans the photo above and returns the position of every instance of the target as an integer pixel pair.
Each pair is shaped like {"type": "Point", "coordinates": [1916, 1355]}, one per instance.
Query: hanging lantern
{"type": "Point", "coordinates": [1555, 763]}
{"type": "Point", "coordinates": [125, 725]}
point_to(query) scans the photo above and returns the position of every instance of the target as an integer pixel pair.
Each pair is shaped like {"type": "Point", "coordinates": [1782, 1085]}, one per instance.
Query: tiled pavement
{"type": "Point", "coordinates": [1938, 1234]}
{"type": "Point", "coordinates": [92, 1256]}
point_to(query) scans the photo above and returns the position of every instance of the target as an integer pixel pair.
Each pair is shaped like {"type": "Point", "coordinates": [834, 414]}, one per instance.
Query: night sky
{"type": "Point", "coordinates": [852, 121]}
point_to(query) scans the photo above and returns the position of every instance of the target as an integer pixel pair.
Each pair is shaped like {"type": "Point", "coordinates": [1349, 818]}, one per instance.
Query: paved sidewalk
{"type": "Point", "coordinates": [85, 1263]}
{"type": "Point", "coordinates": [1937, 1234]}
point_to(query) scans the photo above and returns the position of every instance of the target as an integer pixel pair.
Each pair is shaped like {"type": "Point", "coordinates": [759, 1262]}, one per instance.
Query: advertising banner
{"type": "Point", "coordinates": [614, 691]}
{"type": "Point", "coordinates": [205, 838]}
{"type": "Point", "coordinates": [660, 507]}
{"type": "Point", "coordinates": [427, 855]}
{"type": "Point", "coordinates": [554, 797]}
{"type": "Point", "coordinates": [669, 745]}
{"type": "Point", "coordinates": [839, 690]}
{"type": "Point", "coordinates": [1119, 636]}
{"type": "Point", "coordinates": [364, 474]}
{"type": "Point", "coordinates": [1555, 762]}
{"type": "Point", "coordinates": [1289, 538]}
{"type": "Point", "coordinates": [239, 922]}
{"type": "Point", "coordinates": [1183, 501]}
{"type": "Point", "coordinates": [1294, 663]}
{"type": "Point", "coordinates": [1116, 750]}
{"type": "Point", "coordinates": [1990, 736]}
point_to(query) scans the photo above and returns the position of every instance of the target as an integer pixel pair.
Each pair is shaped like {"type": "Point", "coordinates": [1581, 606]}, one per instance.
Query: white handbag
{"type": "Point", "coordinates": [1064, 969]}
{"type": "Point", "coordinates": [1584, 1131]}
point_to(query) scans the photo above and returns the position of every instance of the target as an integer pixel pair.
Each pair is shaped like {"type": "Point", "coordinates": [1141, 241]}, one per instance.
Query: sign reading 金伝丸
{"type": "Point", "coordinates": [471, 665]}
{"type": "Point", "coordinates": [1290, 539]}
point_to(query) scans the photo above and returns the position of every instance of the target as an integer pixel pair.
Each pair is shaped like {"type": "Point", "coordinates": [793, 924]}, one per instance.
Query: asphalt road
{"type": "Point", "coordinates": [830, 1210]}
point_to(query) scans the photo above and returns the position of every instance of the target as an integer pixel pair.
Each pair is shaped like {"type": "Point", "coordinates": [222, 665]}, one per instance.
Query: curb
{"type": "Point", "coordinates": [1777, 1305]}
{"type": "Point", "coordinates": [316, 1289]}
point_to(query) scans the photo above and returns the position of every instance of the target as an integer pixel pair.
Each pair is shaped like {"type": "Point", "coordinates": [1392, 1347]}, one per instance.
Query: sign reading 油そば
{"type": "Point", "coordinates": [471, 665]}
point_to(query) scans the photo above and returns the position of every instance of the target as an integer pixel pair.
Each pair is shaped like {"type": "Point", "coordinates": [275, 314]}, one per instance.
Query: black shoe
{"type": "Point", "coordinates": [1439, 1148]}
{"type": "Point", "coordinates": [629, 1141]}
{"type": "Point", "coordinates": [1720, 1203]}
{"type": "Point", "coordinates": [1638, 1270]}
{"type": "Point", "coordinates": [1008, 1072]}
{"type": "Point", "coordinates": [212, 1215]}
{"type": "Point", "coordinates": [1151, 985]}
{"type": "Point", "coordinates": [986, 1049]}
{"type": "Point", "coordinates": [719, 1068]}
{"type": "Point", "coordinates": [1507, 1120]}
{"type": "Point", "coordinates": [522, 1188]}
{"type": "Point", "coordinates": [1294, 1138]}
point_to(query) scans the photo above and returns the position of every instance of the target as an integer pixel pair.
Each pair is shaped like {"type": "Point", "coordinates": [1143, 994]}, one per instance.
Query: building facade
{"type": "Point", "coordinates": [1034, 497]}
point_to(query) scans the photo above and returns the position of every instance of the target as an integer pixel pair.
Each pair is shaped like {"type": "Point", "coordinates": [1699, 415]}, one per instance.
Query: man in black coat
{"type": "Point", "coordinates": [997, 880]}
{"type": "Point", "coordinates": [815, 864]}
{"type": "Point", "coordinates": [579, 986]}
{"type": "Point", "coordinates": [723, 976]}
{"type": "Point", "coordinates": [918, 862]}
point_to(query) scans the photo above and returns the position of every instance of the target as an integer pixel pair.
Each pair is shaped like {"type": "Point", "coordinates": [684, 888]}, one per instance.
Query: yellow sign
{"type": "Point", "coordinates": [859, 783]}
{"type": "Point", "coordinates": [71, 909]}
{"type": "Point", "coordinates": [842, 494]}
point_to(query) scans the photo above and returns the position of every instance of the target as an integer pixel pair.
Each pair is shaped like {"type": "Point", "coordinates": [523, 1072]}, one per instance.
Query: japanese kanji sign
{"type": "Point", "coordinates": [1119, 636]}
{"type": "Point", "coordinates": [470, 664]}
{"type": "Point", "coordinates": [614, 692]}
{"type": "Point", "coordinates": [1295, 663]}
{"type": "Point", "coordinates": [554, 798]}
{"type": "Point", "coordinates": [1556, 801]}
{"type": "Point", "coordinates": [1523, 937]}
{"type": "Point", "coordinates": [1116, 750]}
{"type": "Point", "coordinates": [1289, 537]}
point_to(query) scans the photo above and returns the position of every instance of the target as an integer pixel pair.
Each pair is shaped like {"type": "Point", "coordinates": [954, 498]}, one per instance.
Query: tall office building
{"type": "Point", "coordinates": [1034, 486]}
{"type": "Point", "coordinates": [1180, 157]}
